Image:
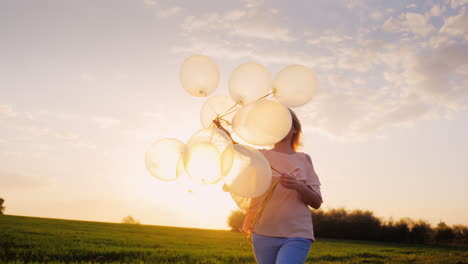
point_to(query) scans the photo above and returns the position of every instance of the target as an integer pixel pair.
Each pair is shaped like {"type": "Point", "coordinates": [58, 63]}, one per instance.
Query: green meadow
{"type": "Point", "coordinates": [43, 240]}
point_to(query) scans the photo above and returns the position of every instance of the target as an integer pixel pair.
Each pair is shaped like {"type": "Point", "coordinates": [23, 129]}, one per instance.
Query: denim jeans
{"type": "Point", "coordinates": [280, 250]}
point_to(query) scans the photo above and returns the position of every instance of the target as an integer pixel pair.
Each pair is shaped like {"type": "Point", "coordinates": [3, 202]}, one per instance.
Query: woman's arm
{"type": "Point", "coordinates": [307, 194]}
{"type": "Point", "coordinates": [310, 197]}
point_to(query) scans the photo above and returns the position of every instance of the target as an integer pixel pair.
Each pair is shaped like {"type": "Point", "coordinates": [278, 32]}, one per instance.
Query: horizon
{"type": "Point", "coordinates": [87, 87]}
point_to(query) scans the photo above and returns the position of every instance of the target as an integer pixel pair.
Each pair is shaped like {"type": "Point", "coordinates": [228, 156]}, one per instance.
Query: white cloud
{"type": "Point", "coordinates": [458, 3]}
{"type": "Point", "coordinates": [150, 2]}
{"type": "Point", "coordinates": [359, 4]}
{"type": "Point", "coordinates": [328, 37]}
{"type": "Point", "coordinates": [105, 121]}
{"type": "Point", "coordinates": [359, 112]}
{"type": "Point", "coordinates": [436, 10]}
{"type": "Point", "coordinates": [435, 77]}
{"type": "Point", "coordinates": [440, 40]}
{"type": "Point", "coordinates": [17, 181]}
{"type": "Point", "coordinates": [253, 3]}
{"type": "Point", "coordinates": [409, 22]}
{"type": "Point", "coordinates": [376, 15]}
{"type": "Point", "coordinates": [7, 111]}
{"type": "Point", "coordinates": [255, 22]}
{"type": "Point", "coordinates": [218, 47]}
{"type": "Point", "coordinates": [67, 136]}
{"type": "Point", "coordinates": [262, 24]}
{"type": "Point", "coordinates": [366, 85]}
{"type": "Point", "coordinates": [420, 86]}
{"type": "Point", "coordinates": [167, 12]}
{"type": "Point", "coordinates": [360, 58]}
{"type": "Point", "coordinates": [456, 26]}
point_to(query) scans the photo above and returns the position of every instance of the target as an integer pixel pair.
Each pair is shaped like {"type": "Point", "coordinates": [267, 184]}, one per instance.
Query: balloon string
{"type": "Point", "coordinates": [223, 115]}
{"type": "Point", "coordinates": [232, 107]}
{"type": "Point", "coordinates": [262, 206]}
{"type": "Point", "coordinates": [265, 96]}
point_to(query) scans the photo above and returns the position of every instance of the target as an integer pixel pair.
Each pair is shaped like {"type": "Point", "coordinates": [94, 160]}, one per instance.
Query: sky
{"type": "Point", "coordinates": [87, 86]}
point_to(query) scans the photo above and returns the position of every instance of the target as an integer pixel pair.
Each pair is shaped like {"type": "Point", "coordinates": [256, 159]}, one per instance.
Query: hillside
{"type": "Point", "coordinates": [43, 240]}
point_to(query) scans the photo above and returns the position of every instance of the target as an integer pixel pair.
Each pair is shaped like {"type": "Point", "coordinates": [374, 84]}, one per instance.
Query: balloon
{"type": "Point", "coordinates": [250, 175]}
{"type": "Point", "coordinates": [295, 85]}
{"type": "Point", "coordinates": [218, 105]}
{"type": "Point", "coordinates": [262, 123]}
{"type": "Point", "coordinates": [208, 155]}
{"type": "Point", "coordinates": [249, 82]}
{"type": "Point", "coordinates": [199, 75]}
{"type": "Point", "coordinates": [163, 159]}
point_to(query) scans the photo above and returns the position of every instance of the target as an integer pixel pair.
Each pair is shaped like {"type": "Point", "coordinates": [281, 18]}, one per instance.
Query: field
{"type": "Point", "coordinates": [43, 240]}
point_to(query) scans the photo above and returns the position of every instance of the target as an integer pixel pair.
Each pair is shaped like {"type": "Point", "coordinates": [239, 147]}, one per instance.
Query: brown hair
{"type": "Point", "coordinates": [296, 137]}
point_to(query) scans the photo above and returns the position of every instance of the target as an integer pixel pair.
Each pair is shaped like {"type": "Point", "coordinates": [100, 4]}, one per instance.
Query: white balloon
{"type": "Point", "coordinates": [199, 75]}
{"type": "Point", "coordinates": [208, 155]}
{"type": "Point", "coordinates": [163, 159]}
{"type": "Point", "coordinates": [295, 85]}
{"type": "Point", "coordinates": [262, 123]}
{"type": "Point", "coordinates": [250, 175]}
{"type": "Point", "coordinates": [249, 82]}
{"type": "Point", "coordinates": [218, 105]}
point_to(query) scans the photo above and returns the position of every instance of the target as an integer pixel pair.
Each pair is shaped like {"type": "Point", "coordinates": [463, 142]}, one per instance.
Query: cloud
{"type": "Point", "coordinates": [105, 122]}
{"type": "Point", "coordinates": [7, 111]}
{"type": "Point", "coordinates": [150, 2]}
{"type": "Point", "coordinates": [253, 3]}
{"type": "Point", "coordinates": [254, 22]}
{"type": "Point", "coordinates": [218, 47]}
{"type": "Point", "coordinates": [328, 37]}
{"type": "Point", "coordinates": [167, 12]}
{"type": "Point", "coordinates": [376, 15]}
{"type": "Point", "coordinates": [453, 30]}
{"type": "Point", "coordinates": [409, 22]}
{"type": "Point", "coordinates": [17, 181]}
{"type": "Point", "coordinates": [437, 78]}
{"type": "Point", "coordinates": [436, 10]}
{"type": "Point", "coordinates": [420, 85]}
{"type": "Point", "coordinates": [358, 4]}
{"type": "Point", "coordinates": [44, 126]}
{"type": "Point", "coordinates": [456, 26]}
{"type": "Point", "coordinates": [458, 3]}
{"type": "Point", "coordinates": [358, 112]}
{"type": "Point", "coordinates": [368, 83]}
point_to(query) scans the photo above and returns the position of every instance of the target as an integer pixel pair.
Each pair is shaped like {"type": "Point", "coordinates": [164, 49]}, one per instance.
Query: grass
{"type": "Point", "coordinates": [43, 240]}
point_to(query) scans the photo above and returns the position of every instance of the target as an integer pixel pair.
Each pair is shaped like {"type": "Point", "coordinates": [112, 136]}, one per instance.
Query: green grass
{"type": "Point", "coordinates": [43, 240]}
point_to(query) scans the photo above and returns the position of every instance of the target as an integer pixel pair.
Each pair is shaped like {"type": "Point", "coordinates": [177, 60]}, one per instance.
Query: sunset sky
{"type": "Point", "coordinates": [87, 86]}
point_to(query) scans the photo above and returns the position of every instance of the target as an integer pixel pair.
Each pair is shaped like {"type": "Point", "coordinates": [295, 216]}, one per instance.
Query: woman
{"type": "Point", "coordinates": [283, 232]}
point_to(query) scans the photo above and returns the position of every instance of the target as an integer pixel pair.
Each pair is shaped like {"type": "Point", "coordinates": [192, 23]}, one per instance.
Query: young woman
{"type": "Point", "coordinates": [283, 232]}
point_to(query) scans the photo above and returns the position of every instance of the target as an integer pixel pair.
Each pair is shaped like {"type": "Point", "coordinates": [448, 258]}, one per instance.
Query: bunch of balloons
{"type": "Point", "coordinates": [210, 156]}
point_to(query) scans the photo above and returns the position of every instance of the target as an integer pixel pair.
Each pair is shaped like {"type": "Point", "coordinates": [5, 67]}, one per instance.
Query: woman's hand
{"type": "Point", "coordinates": [308, 196]}
{"type": "Point", "coordinates": [290, 182]}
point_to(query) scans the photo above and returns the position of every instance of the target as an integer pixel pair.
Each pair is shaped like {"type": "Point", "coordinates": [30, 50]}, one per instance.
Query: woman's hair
{"type": "Point", "coordinates": [296, 137]}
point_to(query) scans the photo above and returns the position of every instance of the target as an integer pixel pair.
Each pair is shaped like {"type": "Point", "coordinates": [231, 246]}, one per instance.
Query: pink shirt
{"type": "Point", "coordinates": [286, 215]}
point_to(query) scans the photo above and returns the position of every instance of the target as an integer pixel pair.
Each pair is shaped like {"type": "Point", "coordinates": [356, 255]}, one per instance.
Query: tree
{"type": "Point", "coordinates": [236, 220]}
{"type": "Point", "coordinates": [130, 220]}
{"type": "Point", "coordinates": [443, 233]}
{"type": "Point", "coordinates": [461, 233]}
{"type": "Point", "coordinates": [420, 232]}
{"type": "Point", "coordinates": [2, 208]}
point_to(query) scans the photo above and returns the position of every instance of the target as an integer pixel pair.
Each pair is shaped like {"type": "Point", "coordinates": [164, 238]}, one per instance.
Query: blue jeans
{"type": "Point", "coordinates": [280, 250]}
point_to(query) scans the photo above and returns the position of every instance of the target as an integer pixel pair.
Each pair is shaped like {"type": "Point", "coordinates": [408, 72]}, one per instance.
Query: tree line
{"type": "Point", "coordinates": [364, 225]}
